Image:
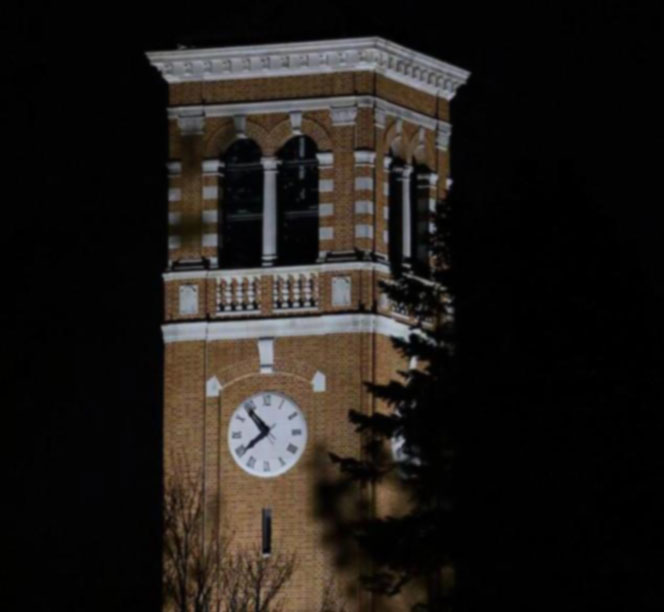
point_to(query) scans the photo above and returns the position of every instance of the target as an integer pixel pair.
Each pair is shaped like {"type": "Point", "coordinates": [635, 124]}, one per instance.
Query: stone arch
{"type": "Point", "coordinates": [420, 151]}
{"type": "Point", "coordinates": [283, 132]}
{"type": "Point", "coordinates": [394, 142]}
{"type": "Point", "coordinates": [226, 135]}
{"type": "Point", "coordinates": [231, 375]}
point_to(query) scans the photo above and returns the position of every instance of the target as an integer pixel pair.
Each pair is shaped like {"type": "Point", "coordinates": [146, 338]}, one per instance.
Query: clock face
{"type": "Point", "coordinates": [267, 434]}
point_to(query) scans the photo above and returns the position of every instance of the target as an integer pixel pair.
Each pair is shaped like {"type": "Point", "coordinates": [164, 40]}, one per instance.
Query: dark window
{"type": "Point", "coordinates": [266, 525]}
{"type": "Point", "coordinates": [420, 235]}
{"type": "Point", "coordinates": [297, 202]}
{"type": "Point", "coordinates": [395, 216]}
{"type": "Point", "coordinates": [241, 218]}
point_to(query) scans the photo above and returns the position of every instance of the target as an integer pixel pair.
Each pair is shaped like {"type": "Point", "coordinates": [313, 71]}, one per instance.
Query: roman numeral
{"type": "Point", "coordinates": [252, 461]}
{"type": "Point", "coordinates": [266, 466]}
{"type": "Point", "coordinates": [296, 432]}
{"type": "Point", "coordinates": [292, 448]}
{"type": "Point", "coordinates": [240, 450]}
{"type": "Point", "coordinates": [240, 418]}
{"type": "Point", "coordinates": [267, 399]}
{"type": "Point", "coordinates": [237, 435]}
{"type": "Point", "coordinates": [292, 416]}
{"type": "Point", "coordinates": [282, 461]}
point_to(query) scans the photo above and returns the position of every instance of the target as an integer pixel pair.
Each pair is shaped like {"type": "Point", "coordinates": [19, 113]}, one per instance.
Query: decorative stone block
{"type": "Point", "coordinates": [341, 286]}
{"type": "Point", "coordinates": [188, 299]}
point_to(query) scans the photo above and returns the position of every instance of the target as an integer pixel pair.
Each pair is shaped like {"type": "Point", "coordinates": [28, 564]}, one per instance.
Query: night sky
{"type": "Point", "coordinates": [558, 254]}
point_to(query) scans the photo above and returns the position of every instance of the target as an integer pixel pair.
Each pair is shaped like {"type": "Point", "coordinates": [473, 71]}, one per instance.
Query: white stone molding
{"type": "Point", "coordinates": [387, 160]}
{"type": "Point", "coordinates": [174, 194]}
{"type": "Point", "coordinates": [210, 192]}
{"type": "Point", "coordinates": [325, 185]}
{"type": "Point", "coordinates": [240, 123]}
{"type": "Point", "coordinates": [386, 212]}
{"type": "Point", "coordinates": [325, 210]}
{"type": "Point", "coordinates": [191, 121]}
{"type": "Point", "coordinates": [174, 168]}
{"type": "Point", "coordinates": [210, 216]}
{"type": "Point", "coordinates": [386, 237]}
{"type": "Point", "coordinates": [269, 210]}
{"type": "Point", "coordinates": [372, 54]}
{"type": "Point", "coordinates": [174, 242]}
{"type": "Point", "coordinates": [398, 128]}
{"type": "Point", "coordinates": [341, 294]}
{"type": "Point", "coordinates": [363, 231]}
{"type": "Point", "coordinates": [210, 240]}
{"type": "Point", "coordinates": [212, 166]}
{"type": "Point", "coordinates": [380, 117]}
{"type": "Point", "coordinates": [174, 218]}
{"type": "Point", "coordinates": [295, 118]}
{"type": "Point", "coordinates": [386, 187]}
{"type": "Point", "coordinates": [343, 115]}
{"type": "Point", "coordinates": [325, 159]}
{"type": "Point", "coordinates": [364, 183]}
{"type": "Point", "coordinates": [448, 183]}
{"type": "Point", "coordinates": [319, 382]}
{"type": "Point", "coordinates": [365, 158]}
{"type": "Point", "coordinates": [325, 233]}
{"type": "Point", "coordinates": [266, 355]}
{"type": "Point", "coordinates": [383, 108]}
{"type": "Point", "coordinates": [344, 266]}
{"type": "Point", "coordinates": [213, 387]}
{"type": "Point", "coordinates": [364, 207]}
{"type": "Point", "coordinates": [284, 327]}
{"type": "Point", "coordinates": [188, 302]}
{"type": "Point", "coordinates": [443, 135]}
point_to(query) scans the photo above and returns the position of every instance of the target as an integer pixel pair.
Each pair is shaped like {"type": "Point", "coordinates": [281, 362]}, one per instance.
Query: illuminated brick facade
{"type": "Point", "coordinates": [314, 330]}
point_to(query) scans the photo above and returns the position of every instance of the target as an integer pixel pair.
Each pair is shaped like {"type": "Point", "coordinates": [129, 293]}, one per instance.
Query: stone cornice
{"type": "Point", "coordinates": [306, 104]}
{"type": "Point", "coordinates": [373, 54]}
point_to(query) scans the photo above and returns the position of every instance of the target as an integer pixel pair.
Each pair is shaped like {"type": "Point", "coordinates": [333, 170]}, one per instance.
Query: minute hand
{"type": "Point", "coordinates": [259, 422]}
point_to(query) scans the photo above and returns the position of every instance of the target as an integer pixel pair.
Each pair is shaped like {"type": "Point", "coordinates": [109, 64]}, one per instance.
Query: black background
{"type": "Point", "coordinates": [557, 246]}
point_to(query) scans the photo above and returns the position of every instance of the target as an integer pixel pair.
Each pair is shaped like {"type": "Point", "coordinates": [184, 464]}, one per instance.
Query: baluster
{"type": "Point", "coordinates": [276, 304]}
{"type": "Point", "coordinates": [228, 294]}
{"type": "Point", "coordinates": [296, 290]}
{"type": "Point", "coordinates": [238, 294]}
{"type": "Point", "coordinates": [250, 293]}
{"type": "Point", "coordinates": [314, 290]}
{"type": "Point", "coordinates": [257, 292]}
{"type": "Point", "coordinates": [306, 281]}
{"type": "Point", "coordinates": [285, 293]}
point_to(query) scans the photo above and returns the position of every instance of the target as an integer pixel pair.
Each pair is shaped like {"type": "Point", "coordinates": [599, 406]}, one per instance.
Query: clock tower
{"type": "Point", "coordinates": [300, 175]}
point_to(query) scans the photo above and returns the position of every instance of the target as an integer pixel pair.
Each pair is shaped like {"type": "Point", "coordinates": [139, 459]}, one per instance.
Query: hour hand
{"type": "Point", "coordinates": [256, 440]}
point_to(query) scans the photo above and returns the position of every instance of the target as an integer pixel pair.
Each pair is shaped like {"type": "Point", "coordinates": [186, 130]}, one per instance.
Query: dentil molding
{"type": "Point", "coordinates": [372, 54]}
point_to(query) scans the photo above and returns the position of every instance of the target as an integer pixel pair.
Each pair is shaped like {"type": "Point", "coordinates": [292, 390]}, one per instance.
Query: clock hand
{"type": "Point", "coordinates": [257, 420]}
{"type": "Point", "coordinates": [256, 440]}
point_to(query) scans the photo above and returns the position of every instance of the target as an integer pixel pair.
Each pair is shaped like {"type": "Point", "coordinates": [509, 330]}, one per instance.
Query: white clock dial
{"type": "Point", "coordinates": [267, 434]}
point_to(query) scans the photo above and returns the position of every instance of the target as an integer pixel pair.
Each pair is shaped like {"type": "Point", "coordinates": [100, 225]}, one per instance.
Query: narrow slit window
{"type": "Point", "coordinates": [267, 531]}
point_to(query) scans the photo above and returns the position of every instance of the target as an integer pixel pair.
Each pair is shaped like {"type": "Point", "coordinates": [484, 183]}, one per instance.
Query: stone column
{"type": "Point", "coordinates": [406, 216]}
{"type": "Point", "coordinates": [269, 210]}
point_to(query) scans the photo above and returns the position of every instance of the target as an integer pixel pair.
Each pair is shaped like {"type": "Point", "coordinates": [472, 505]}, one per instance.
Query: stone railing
{"type": "Point", "coordinates": [238, 294]}
{"type": "Point", "coordinates": [263, 292]}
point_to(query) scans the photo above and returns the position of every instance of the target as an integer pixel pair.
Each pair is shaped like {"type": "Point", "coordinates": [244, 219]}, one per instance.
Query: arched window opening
{"type": "Point", "coordinates": [297, 202]}
{"type": "Point", "coordinates": [395, 215]}
{"type": "Point", "coordinates": [421, 237]}
{"type": "Point", "coordinates": [241, 217]}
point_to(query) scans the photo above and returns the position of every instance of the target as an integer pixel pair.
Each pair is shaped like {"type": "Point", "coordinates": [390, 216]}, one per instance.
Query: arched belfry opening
{"type": "Point", "coordinates": [395, 205]}
{"type": "Point", "coordinates": [297, 202]}
{"type": "Point", "coordinates": [420, 219]}
{"type": "Point", "coordinates": [241, 218]}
